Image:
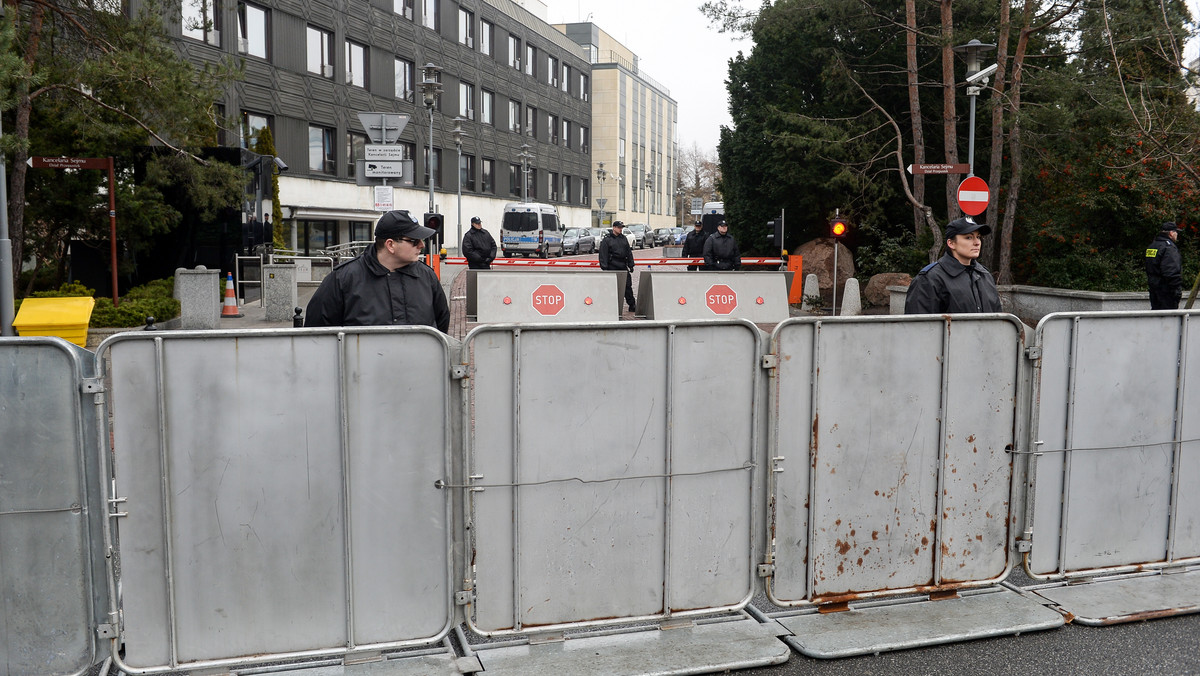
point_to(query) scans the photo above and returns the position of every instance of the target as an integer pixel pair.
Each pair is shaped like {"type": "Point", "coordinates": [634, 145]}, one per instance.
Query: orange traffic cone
{"type": "Point", "coordinates": [230, 309]}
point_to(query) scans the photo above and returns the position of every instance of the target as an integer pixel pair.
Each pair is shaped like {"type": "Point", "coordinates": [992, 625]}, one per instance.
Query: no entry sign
{"type": "Point", "coordinates": [973, 196]}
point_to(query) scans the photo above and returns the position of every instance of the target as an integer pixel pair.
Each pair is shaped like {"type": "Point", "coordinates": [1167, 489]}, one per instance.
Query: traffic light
{"type": "Point", "coordinates": [839, 227]}
{"type": "Point", "coordinates": [434, 222]}
{"type": "Point", "coordinates": [775, 233]}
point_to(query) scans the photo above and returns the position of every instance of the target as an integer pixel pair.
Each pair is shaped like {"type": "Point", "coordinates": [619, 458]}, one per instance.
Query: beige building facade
{"type": "Point", "coordinates": [635, 140]}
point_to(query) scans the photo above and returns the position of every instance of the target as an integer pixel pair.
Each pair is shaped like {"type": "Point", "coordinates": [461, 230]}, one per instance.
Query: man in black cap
{"type": "Point", "coordinates": [721, 250]}
{"type": "Point", "coordinates": [616, 254]}
{"type": "Point", "coordinates": [956, 282]}
{"type": "Point", "coordinates": [386, 284]}
{"type": "Point", "coordinates": [1164, 269]}
{"type": "Point", "coordinates": [478, 246]}
{"type": "Point", "coordinates": [693, 244]}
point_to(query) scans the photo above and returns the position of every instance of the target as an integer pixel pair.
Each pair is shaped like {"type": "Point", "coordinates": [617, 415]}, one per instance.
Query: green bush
{"type": "Point", "coordinates": [67, 290]}
{"type": "Point", "coordinates": [153, 299]}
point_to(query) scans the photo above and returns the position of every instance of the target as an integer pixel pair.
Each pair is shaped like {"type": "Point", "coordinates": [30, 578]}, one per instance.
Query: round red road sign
{"type": "Point", "coordinates": [548, 300]}
{"type": "Point", "coordinates": [720, 299]}
{"type": "Point", "coordinates": [973, 196]}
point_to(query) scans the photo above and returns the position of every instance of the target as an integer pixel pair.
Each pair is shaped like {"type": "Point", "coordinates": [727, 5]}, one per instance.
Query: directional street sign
{"type": "Point", "coordinates": [375, 169]}
{"type": "Point", "coordinates": [383, 127]}
{"type": "Point", "coordinates": [697, 205]}
{"type": "Point", "coordinates": [67, 162]}
{"type": "Point", "coordinates": [973, 196]}
{"type": "Point", "coordinates": [939, 169]}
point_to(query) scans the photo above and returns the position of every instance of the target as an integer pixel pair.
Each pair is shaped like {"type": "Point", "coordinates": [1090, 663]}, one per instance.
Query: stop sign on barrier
{"type": "Point", "coordinates": [548, 300]}
{"type": "Point", "coordinates": [720, 299]}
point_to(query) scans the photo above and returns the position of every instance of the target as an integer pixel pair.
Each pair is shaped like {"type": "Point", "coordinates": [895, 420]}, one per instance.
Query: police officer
{"type": "Point", "coordinates": [721, 250]}
{"type": "Point", "coordinates": [1164, 269]}
{"type": "Point", "coordinates": [693, 244]}
{"type": "Point", "coordinates": [956, 282]}
{"type": "Point", "coordinates": [478, 246]}
{"type": "Point", "coordinates": [616, 254]}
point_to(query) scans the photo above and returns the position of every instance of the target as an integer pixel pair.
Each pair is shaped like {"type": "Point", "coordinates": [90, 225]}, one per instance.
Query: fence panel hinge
{"type": "Point", "coordinates": [766, 569]}
{"type": "Point", "coordinates": [464, 598]}
{"type": "Point", "coordinates": [106, 631]}
{"type": "Point", "coordinates": [458, 371]}
{"type": "Point", "coordinates": [92, 386]}
{"type": "Point", "coordinates": [1034, 352]}
{"type": "Point", "coordinates": [770, 361]}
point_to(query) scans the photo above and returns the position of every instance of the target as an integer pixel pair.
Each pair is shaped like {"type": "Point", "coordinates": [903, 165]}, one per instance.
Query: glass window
{"type": "Point", "coordinates": [466, 100]}
{"type": "Point", "coordinates": [486, 32]}
{"type": "Point", "coordinates": [514, 180]}
{"type": "Point", "coordinates": [584, 191]}
{"type": "Point", "coordinates": [514, 52]}
{"type": "Point", "coordinates": [252, 126]}
{"type": "Point", "coordinates": [356, 64]}
{"type": "Point", "coordinates": [530, 60]}
{"type": "Point", "coordinates": [552, 70]}
{"type": "Point", "coordinates": [466, 172]}
{"type": "Point", "coordinates": [566, 188]}
{"type": "Point", "coordinates": [466, 28]}
{"type": "Point", "coordinates": [202, 20]}
{"type": "Point", "coordinates": [486, 105]}
{"type": "Point", "coordinates": [583, 87]}
{"type": "Point", "coordinates": [253, 31]}
{"type": "Point", "coordinates": [405, 86]}
{"type": "Point", "coordinates": [429, 14]}
{"type": "Point", "coordinates": [565, 82]}
{"type": "Point", "coordinates": [320, 52]}
{"type": "Point", "coordinates": [514, 116]}
{"type": "Point", "coordinates": [320, 150]}
{"type": "Point", "coordinates": [584, 140]}
{"type": "Point", "coordinates": [355, 150]}
{"type": "Point", "coordinates": [566, 133]}
{"type": "Point", "coordinates": [318, 235]}
{"type": "Point", "coordinates": [360, 231]}
{"type": "Point", "coordinates": [531, 121]}
{"type": "Point", "coordinates": [552, 184]}
{"type": "Point", "coordinates": [404, 8]}
{"type": "Point", "coordinates": [437, 165]}
{"type": "Point", "coordinates": [552, 128]}
{"type": "Point", "coordinates": [531, 182]}
{"type": "Point", "coordinates": [487, 173]}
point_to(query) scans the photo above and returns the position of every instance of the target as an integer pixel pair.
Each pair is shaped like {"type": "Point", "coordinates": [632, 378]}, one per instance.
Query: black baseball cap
{"type": "Point", "coordinates": [475, 219]}
{"type": "Point", "coordinates": [618, 224]}
{"type": "Point", "coordinates": [965, 226]}
{"type": "Point", "coordinates": [397, 224]}
{"type": "Point", "coordinates": [1170, 226]}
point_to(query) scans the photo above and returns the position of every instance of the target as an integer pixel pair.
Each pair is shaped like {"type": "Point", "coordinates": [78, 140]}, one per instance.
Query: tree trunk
{"type": "Point", "coordinates": [914, 108]}
{"type": "Point", "coordinates": [949, 116]}
{"type": "Point", "coordinates": [991, 245]}
{"type": "Point", "coordinates": [16, 180]}
{"type": "Point", "coordinates": [1004, 272]}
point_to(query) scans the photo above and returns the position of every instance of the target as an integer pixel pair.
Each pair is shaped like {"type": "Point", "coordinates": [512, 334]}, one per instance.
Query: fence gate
{"type": "Point", "coordinates": [279, 496]}
{"type": "Point", "coordinates": [1115, 501]}
{"type": "Point", "coordinates": [909, 498]}
{"type": "Point", "coordinates": [613, 479]}
{"type": "Point", "coordinates": [52, 590]}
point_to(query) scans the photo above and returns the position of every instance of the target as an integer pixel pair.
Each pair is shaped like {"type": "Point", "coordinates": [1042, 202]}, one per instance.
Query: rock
{"type": "Point", "coordinates": [877, 294]}
{"type": "Point", "coordinates": [818, 260]}
{"type": "Point", "coordinates": [811, 289]}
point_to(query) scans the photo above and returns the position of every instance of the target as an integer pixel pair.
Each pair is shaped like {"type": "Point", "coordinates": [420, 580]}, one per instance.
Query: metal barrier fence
{"type": "Point", "coordinates": [325, 493]}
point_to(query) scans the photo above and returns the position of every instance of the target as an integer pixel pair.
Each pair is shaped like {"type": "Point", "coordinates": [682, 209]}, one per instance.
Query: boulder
{"type": "Point", "coordinates": [876, 293]}
{"type": "Point", "coordinates": [818, 260]}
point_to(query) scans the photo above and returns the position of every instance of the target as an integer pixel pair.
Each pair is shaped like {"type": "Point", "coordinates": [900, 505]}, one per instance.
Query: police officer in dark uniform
{"type": "Point", "coordinates": [693, 244]}
{"type": "Point", "coordinates": [478, 246]}
{"type": "Point", "coordinates": [721, 250]}
{"type": "Point", "coordinates": [1164, 269]}
{"type": "Point", "coordinates": [956, 282]}
{"type": "Point", "coordinates": [616, 254]}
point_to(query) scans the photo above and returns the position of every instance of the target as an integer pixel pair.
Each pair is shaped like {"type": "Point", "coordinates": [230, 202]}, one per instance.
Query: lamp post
{"type": "Point", "coordinates": [430, 88]}
{"type": "Point", "coordinates": [458, 135]}
{"type": "Point", "coordinates": [680, 192]}
{"type": "Point", "coordinates": [649, 185]}
{"type": "Point", "coordinates": [601, 176]}
{"type": "Point", "coordinates": [972, 50]}
{"type": "Point", "coordinates": [526, 157]}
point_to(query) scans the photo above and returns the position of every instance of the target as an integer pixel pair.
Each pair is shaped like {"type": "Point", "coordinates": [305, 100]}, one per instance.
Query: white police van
{"type": "Point", "coordinates": [530, 229]}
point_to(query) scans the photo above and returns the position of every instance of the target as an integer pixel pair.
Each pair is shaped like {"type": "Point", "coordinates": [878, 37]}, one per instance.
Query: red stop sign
{"type": "Point", "coordinates": [548, 300]}
{"type": "Point", "coordinates": [720, 299]}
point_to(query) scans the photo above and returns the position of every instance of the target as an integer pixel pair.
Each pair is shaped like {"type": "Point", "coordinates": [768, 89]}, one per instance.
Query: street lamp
{"type": "Point", "coordinates": [972, 50]}
{"type": "Point", "coordinates": [430, 88]}
{"type": "Point", "coordinates": [526, 158]}
{"type": "Point", "coordinates": [680, 192]}
{"type": "Point", "coordinates": [601, 176]}
{"type": "Point", "coordinates": [458, 135]}
{"type": "Point", "coordinates": [649, 185]}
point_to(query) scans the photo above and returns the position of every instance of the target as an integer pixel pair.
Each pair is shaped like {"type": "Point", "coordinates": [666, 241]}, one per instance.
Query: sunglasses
{"type": "Point", "coordinates": [409, 240]}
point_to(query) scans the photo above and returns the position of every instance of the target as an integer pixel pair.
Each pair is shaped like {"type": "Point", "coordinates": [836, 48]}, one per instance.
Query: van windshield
{"type": "Point", "coordinates": [519, 221]}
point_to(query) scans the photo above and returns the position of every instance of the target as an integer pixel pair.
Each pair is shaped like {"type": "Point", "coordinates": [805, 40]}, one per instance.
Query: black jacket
{"type": "Point", "coordinates": [948, 286]}
{"type": "Point", "coordinates": [1164, 266]}
{"type": "Point", "coordinates": [479, 249]}
{"type": "Point", "coordinates": [721, 253]}
{"type": "Point", "coordinates": [693, 244]}
{"type": "Point", "coordinates": [615, 253]}
{"type": "Point", "coordinates": [362, 292]}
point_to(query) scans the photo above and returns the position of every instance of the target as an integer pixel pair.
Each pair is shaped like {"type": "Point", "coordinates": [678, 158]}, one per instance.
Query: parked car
{"type": "Point", "coordinates": [678, 235]}
{"type": "Point", "coordinates": [578, 241]}
{"type": "Point", "coordinates": [663, 236]}
{"type": "Point", "coordinates": [639, 232]}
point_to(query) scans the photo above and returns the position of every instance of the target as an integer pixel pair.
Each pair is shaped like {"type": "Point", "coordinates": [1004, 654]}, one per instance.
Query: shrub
{"type": "Point", "coordinates": [153, 299]}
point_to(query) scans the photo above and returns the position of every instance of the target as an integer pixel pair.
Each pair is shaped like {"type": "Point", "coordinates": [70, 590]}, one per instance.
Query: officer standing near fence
{"type": "Point", "coordinates": [956, 282]}
{"type": "Point", "coordinates": [721, 250]}
{"type": "Point", "coordinates": [385, 285]}
{"type": "Point", "coordinates": [616, 254]}
{"type": "Point", "coordinates": [693, 244]}
{"type": "Point", "coordinates": [478, 246]}
{"type": "Point", "coordinates": [1164, 269]}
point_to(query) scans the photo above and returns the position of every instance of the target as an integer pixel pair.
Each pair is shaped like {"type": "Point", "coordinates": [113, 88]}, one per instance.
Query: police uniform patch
{"type": "Point", "coordinates": [1151, 253]}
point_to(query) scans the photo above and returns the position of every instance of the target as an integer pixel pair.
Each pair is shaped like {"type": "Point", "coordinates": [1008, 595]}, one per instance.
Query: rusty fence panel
{"type": "Point", "coordinates": [612, 472]}
{"type": "Point", "coordinates": [891, 442]}
{"type": "Point", "coordinates": [1116, 470]}
{"type": "Point", "coordinates": [272, 482]}
{"type": "Point", "coordinates": [53, 594]}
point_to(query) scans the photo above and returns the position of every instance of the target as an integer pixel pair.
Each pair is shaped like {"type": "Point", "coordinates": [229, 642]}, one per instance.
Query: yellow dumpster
{"type": "Point", "coordinates": [67, 318]}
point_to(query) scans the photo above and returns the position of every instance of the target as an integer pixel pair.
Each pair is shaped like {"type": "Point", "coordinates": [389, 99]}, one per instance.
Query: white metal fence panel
{"type": "Point", "coordinates": [1117, 479]}
{"type": "Point", "coordinates": [52, 594]}
{"type": "Point", "coordinates": [891, 440]}
{"type": "Point", "coordinates": [280, 491]}
{"type": "Point", "coordinates": [613, 471]}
